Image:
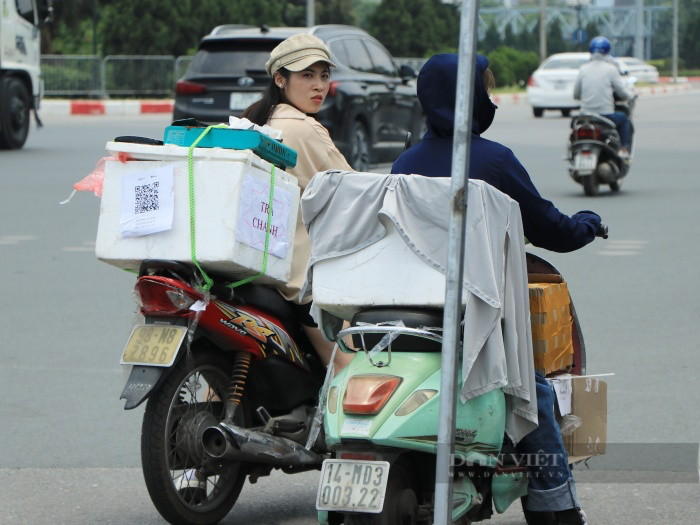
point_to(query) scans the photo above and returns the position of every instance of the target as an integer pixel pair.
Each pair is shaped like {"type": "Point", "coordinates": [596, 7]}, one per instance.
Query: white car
{"type": "Point", "coordinates": [551, 86]}
{"type": "Point", "coordinates": [635, 67]}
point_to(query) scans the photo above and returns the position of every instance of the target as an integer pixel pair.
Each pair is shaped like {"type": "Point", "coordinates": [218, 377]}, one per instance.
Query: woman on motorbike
{"type": "Point", "coordinates": [300, 70]}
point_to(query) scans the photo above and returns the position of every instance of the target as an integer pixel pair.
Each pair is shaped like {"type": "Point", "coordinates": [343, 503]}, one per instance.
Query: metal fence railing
{"type": "Point", "coordinates": [181, 65]}
{"type": "Point", "coordinates": [72, 75]}
{"type": "Point", "coordinates": [123, 75]}
{"type": "Point", "coordinates": [152, 76]}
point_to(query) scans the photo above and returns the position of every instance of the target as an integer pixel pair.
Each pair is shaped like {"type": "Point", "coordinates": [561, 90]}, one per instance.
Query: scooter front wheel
{"type": "Point", "coordinates": [184, 488]}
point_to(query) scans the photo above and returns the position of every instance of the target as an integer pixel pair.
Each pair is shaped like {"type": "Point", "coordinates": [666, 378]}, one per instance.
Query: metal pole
{"type": "Point", "coordinates": [310, 13]}
{"type": "Point", "coordinates": [455, 261]}
{"type": "Point", "coordinates": [579, 36]}
{"type": "Point", "coordinates": [639, 33]}
{"type": "Point", "coordinates": [674, 66]}
{"type": "Point", "coordinates": [543, 30]}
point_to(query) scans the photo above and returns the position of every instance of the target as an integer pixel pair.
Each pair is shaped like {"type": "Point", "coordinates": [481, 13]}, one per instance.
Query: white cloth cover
{"type": "Point", "coordinates": [344, 212]}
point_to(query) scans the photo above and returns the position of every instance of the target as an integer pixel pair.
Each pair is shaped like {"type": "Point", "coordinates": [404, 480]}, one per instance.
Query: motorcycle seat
{"type": "Point", "coordinates": [591, 118]}
{"type": "Point", "coordinates": [426, 318]}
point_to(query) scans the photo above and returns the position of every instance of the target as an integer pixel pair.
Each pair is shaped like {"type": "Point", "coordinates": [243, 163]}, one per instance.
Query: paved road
{"type": "Point", "coordinates": [70, 454]}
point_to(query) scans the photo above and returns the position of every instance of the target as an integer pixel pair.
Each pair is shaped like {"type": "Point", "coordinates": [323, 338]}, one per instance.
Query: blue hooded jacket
{"type": "Point", "coordinates": [544, 225]}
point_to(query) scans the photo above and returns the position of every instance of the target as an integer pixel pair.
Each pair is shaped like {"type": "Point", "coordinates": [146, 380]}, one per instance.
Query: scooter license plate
{"type": "Point", "coordinates": [153, 345]}
{"type": "Point", "coordinates": [352, 486]}
{"type": "Point", "coordinates": [585, 162]}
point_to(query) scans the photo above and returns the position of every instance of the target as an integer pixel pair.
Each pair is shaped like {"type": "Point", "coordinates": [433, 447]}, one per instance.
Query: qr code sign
{"type": "Point", "coordinates": [146, 198]}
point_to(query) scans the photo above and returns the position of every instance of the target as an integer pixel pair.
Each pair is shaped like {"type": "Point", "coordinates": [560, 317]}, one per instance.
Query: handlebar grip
{"type": "Point", "coordinates": [602, 231]}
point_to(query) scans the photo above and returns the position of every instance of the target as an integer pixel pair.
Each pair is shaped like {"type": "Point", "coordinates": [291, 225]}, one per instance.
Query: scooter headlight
{"type": "Point", "coordinates": [367, 394]}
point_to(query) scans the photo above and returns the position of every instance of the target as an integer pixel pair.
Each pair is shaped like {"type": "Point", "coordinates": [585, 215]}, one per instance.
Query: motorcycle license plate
{"type": "Point", "coordinates": [153, 345]}
{"type": "Point", "coordinates": [352, 486]}
{"type": "Point", "coordinates": [585, 162]}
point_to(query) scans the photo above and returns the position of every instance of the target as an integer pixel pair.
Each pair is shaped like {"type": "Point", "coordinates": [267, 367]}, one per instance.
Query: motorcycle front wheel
{"type": "Point", "coordinates": [184, 488]}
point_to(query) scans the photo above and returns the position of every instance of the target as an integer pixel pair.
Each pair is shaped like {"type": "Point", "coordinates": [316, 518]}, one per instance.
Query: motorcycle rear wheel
{"type": "Point", "coordinates": [400, 502]}
{"type": "Point", "coordinates": [590, 185]}
{"type": "Point", "coordinates": [196, 384]}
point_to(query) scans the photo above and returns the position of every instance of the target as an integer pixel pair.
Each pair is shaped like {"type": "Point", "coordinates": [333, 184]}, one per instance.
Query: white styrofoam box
{"type": "Point", "coordinates": [386, 273]}
{"type": "Point", "coordinates": [218, 179]}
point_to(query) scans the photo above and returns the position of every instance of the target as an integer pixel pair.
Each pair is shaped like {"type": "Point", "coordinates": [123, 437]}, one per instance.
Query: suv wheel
{"type": "Point", "coordinates": [359, 147]}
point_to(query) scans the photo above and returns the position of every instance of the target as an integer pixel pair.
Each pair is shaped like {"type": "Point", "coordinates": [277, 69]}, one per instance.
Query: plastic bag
{"type": "Point", "coordinates": [94, 181]}
{"type": "Point", "coordinates": [244, 123]}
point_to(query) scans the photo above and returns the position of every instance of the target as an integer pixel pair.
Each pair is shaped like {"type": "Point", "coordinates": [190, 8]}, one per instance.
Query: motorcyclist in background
{"type": "Point", "coordinates": [551, 496]}
{"type": "Point", "coordinates": [599, 84]}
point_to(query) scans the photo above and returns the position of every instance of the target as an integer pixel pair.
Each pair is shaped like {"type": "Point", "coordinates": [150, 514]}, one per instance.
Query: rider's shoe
{"type": "Point", "coordinates": [192, 486]}
{"type": "Point", "coordinates": [573, 516]}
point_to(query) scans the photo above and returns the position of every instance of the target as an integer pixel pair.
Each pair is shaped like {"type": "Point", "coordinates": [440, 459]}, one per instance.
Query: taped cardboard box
{"type": "Point", "coordinates": [550, 317]}
{"type": "Point", "coordinates": [589, 402]}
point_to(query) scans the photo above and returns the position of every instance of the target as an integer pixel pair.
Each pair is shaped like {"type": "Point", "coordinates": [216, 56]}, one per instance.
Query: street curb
{"type": "Point", "coordinates": [105, 107]}
{"type": "Point", "coordinates": [645, 91]}
{"type": "Point", "coordinates": [62, 107]}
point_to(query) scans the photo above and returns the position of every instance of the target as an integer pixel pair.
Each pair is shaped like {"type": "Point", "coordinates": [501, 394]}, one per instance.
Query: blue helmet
{"type": "Point", "coordinates": [600, 44]}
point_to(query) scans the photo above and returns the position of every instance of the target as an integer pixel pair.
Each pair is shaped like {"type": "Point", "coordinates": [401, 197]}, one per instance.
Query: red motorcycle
{"type": "Point", "coordinates": [232, 388]}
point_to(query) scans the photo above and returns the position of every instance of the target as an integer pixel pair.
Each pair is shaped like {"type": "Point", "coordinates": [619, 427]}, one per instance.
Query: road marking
{"type": "Point", "coordinates": [88, 246]}
{"type": "Point", "coordinates": [622, 247]}
{"type": "Point", "coordinates": [16, 239]}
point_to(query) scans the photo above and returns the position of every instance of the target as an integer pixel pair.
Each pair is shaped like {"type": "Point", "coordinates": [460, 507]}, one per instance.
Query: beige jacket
{"type": "Point", "coordinates": [315, 153]}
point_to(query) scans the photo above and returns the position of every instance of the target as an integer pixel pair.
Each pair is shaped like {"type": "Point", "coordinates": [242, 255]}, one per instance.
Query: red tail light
{"type": "Point", "coordinates": [183, 87]}
{"type": "Point", "coordinates": [359, 456]}
{"type": "Point", "coordinates": [588, 133]}
{"type": "Point", "coordinates": [367, 394]}
{"type": "Point", "coordinates": [531, 82]}
{"type": "Point", "coordinates": [160, 298]}
{"type": "Point", "coordinates": [333, 89]}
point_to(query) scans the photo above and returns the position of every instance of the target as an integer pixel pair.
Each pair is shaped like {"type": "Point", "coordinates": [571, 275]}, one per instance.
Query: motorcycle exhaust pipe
{"type": "Point", "coordinates": [227, 441]}
{"type": "Point", "coordinates": [216, 445]}
{"type": "Point", "coordinates": [608, 171]}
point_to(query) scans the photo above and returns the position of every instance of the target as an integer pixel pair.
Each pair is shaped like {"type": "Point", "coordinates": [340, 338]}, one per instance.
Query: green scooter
{"type": "Point", "coordinates": [381, 424]}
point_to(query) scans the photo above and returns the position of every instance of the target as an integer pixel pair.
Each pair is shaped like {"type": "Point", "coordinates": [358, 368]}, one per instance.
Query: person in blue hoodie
{"type": "Point", "coordinates": [551, 497]}
{"type": "Point", "coordinates": [544, 225]}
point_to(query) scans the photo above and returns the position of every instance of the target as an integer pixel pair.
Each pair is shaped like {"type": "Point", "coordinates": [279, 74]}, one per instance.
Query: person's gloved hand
{"type": "Point", "coordinates": [588, 217]}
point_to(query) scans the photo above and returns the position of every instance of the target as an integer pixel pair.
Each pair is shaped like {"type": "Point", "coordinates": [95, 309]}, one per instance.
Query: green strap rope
{"type": "Point", "coordinates": [208, 282]}
{"type": "Point", "coordinates": [267, 236]}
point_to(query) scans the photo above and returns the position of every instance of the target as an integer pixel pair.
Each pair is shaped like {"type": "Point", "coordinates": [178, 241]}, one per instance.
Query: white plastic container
{"type": "Point", "coordinates": [220, 177]}
{"type": "Point", "coordinates": [345, 285]}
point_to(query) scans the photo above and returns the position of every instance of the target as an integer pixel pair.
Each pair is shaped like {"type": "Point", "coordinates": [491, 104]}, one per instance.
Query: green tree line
{"type": "Point", "coordinates": [408, 28]}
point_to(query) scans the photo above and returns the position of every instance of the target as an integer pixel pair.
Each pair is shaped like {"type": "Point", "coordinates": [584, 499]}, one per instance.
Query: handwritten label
{"type": "Point", "coordinates": [253, 213]}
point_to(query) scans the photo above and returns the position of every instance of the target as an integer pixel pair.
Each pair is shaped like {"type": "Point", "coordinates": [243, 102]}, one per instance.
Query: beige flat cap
{"type": "Point", "coordinates": [297, 53]}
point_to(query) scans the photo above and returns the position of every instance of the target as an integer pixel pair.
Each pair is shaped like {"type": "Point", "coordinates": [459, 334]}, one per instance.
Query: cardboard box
{"type": "Point", "coordinates": [551, 322]}
{"type": "Point", "coordinates": [589, 401]}
{"type": "Point", "coordinates": [225, 186]}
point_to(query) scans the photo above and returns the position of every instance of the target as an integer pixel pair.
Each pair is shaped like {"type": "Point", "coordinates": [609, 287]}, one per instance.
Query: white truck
{"type": "Point", "coordinates": [21, 85]}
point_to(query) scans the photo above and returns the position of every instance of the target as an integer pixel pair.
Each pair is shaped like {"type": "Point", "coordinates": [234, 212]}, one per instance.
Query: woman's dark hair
{"type": "Point", "coordinates": [260, 111]}
{"type": "Point", "coordinates": [489, 80]}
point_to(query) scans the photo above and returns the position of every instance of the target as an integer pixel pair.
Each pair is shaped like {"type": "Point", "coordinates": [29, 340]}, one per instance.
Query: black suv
{"type": "Point", "coordinates": [370, 107]}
